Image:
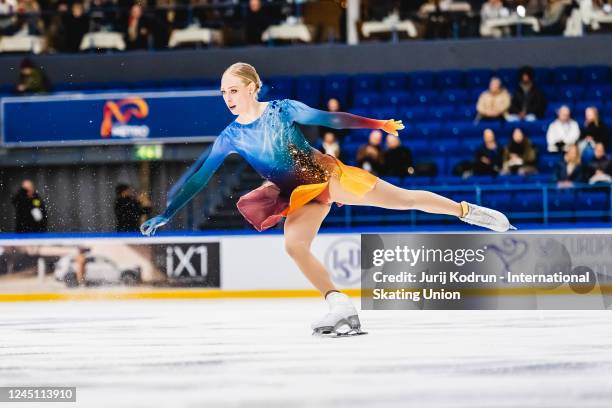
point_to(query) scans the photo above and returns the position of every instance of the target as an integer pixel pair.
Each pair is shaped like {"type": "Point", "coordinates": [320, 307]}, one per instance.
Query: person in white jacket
{"type": "Point", "coordinates": [563, 132]}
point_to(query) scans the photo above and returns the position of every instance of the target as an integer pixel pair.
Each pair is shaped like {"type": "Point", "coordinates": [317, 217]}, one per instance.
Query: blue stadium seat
{"type": "Point", "coordinates": [449, 79]}
{"type": "Point", "coordinates": [592, 200]}
{"type": "Point", "coordinates": [425, 97]}
{"type": "Point", "coordinates": [455, 96]}
{"type": "Point", "coordinates": [308, 90]}
{"type": "Point", "coordinates": [366, 99]}
{"type": "Point", "coordinates": [499, 200]}
{"type": "Point", "coordinates": [280, 87]}
{"type": "Point", "coordinates": [386, 113]}
{"type": "Point", "coordinates": [478, 78]}
{"type": "Point", "coordinates": [365, 83]}
{"type": "Point", "coordinates": [336, 86]}
{"type": "Point", "coordinates": [466, 111]}
{"type": "Point", "coordinates": [548, 162]}
{"type": "Point", "coordinates": [447, 147]}
{"type": "Point", "coordinates": [570, 92]}
{"type": "Point", "coordinates": [509, 77]}
{"type": "Point", "coordinates": [443, 112]}
{"type": "Point", "coordinates": [543, 76]}
{"type": "Point", "coordinates": [459, 129]}
{"type": "Point", "coordinates": [597, 74]}
{"type": "Point", "coordinates": [561, 200]}
{"type": "Point", "coordinates": [566, 75]}
{"type": "Point", "coordinates": [413, 113]}
{"type": "Point", "coordinates": [580, 107]}
{"type": "Point", "coordinates": [598, 92]}
{"type": "Point", "coordinates": [427, 130]}
{"type": "Point", "coordinates": [394, 82]}
{"type": "Point", "coordinates": [421, 80]}
{"type": "Point", "coordinates": [528, 201]}
{"type": "Point", "coordinates": [395, 98]}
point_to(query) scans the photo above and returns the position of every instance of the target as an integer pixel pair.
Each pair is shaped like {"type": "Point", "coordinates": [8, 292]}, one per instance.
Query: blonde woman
{"type": "Point", "coordinates": [302, 182]}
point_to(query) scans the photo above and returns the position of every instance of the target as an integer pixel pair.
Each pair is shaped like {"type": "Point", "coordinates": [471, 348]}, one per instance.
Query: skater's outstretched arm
{"type": "Point", "coordinates": [197, 179]}
{"type": "Point", "coordinates": [304, 114]}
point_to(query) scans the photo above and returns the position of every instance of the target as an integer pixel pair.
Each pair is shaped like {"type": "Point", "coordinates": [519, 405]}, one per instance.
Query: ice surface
{"type": "Point", "coordinates": [261, 353]}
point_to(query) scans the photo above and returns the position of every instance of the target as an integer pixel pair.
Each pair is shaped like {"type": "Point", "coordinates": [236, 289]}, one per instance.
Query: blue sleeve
{"type": "Point", "coordinates": [198, 175]}
{"type": "Point", "coordinates": [301, 113]}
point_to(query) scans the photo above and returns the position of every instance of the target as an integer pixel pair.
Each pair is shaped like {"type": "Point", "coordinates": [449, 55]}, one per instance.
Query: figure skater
{"type": "Point", "coordinates": [302, 183]}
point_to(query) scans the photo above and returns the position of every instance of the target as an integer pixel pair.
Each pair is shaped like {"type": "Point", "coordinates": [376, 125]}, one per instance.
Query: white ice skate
{"type": "Point", "coordinates": [342, 319]}
{"type": "Point", "coordinates": [485, 217]}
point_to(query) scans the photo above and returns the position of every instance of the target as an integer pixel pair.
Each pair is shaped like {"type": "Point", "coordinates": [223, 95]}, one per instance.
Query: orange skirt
{"type": "Point", "coordinates": [264, 207]}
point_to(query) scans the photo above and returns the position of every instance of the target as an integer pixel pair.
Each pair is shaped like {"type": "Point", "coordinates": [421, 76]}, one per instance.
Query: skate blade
{"type": "Point", "coordinates": [329, 333]}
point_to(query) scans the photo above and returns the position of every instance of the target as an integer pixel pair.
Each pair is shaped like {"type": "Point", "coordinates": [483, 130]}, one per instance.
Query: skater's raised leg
{"type": "Point", "coordinates": [386, 195]}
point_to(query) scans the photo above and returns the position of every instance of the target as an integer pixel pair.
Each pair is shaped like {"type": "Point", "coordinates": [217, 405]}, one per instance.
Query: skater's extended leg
{"type": "Point", "coordinates": [386, 195]}
{"type": "Point", "coordinates": [301, 227]}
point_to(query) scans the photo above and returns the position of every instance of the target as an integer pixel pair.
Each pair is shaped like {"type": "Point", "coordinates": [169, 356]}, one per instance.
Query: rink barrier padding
{"type": "Point", "coordinates": [268, 294]}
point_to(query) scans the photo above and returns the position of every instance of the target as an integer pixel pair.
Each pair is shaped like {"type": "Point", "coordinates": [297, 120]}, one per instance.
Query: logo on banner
{"type": "Point", "coordinates": [116, 116]}
{"type": "Point", "coordinates": [343, 260]}
{"type": "Point", "coordinates": [193, 264]}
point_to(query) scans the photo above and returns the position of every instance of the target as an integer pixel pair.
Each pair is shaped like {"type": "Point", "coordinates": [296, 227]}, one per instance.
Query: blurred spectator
{"type": "Point", "coordinates": [31, 79]}
{"type": "Point", "coordinates": [81, 263]}
{"type": "Point", "coordinates": [599, 167]}
{"type": "Point", "coordinates": [493, 103]}
{"type": "Point", "coordinates": [136, 29]}
{"type": "Point", "coordinates": [563, 132]}
{"type": "Point", "coordinates": [256, 22]}
{"type": "Point", "coordinates": [594, 131]}
{"type": "Point", "coordinates": [370, 156]}
{"type": "Point", "coordinates": [30, 210]}
{"type": "Point", "coordinates": [528, 103]}
{"type": "Point", "coordinates": [330, 145]}
{"type": "Point", "coordinates": [76, 25]}
{"type": "Point", "coordinates": [397, 158]}
{"type": "Point", "coordinates": [488, 156]}
{"type": "Point", "coordinates": [553, 20]}
{"type": "Point", "coordinates": [333, 105]}
{"type": "Point", "coordinates": [128, 209]}
{"type": "Point", "coordinates": [7, 19]}
{"type": "Point", "coordinates": [519, 155]}
{"type": "Point", "coordinates": [493, 9]}
{"type": "Point", "coordinates": [570, 169]}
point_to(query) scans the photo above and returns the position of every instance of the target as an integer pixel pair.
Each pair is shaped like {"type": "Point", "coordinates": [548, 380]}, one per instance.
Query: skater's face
{"type": "Point", "coordinates": [236, 94]}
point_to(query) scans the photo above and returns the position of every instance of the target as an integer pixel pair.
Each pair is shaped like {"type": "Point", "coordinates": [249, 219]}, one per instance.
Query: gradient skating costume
{"type": "Point", "coordinates": [275, 147]}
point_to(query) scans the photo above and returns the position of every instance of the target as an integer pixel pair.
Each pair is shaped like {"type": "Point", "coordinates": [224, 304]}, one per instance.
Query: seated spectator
{"type": "Point", "coordinates": [330, 145]}
{"type": "Point", "coordinates": [333, 105]}
{"type": "Point", "coordinates": [553, 20]}
{"type": "Point", "coordinates": [76, 25]}
{"type": "Point", "coordinates": [31, 79]}
{"type": "Point", "coordinates": [599, 169]}
{"type": "Point", "coordinates": [397, 158]}
{"type": "Point", "coordinates": [256, 22]}
{"type": "Point", "coordinates": [493, 9]}
{"type": "Point", "coordinates": [570, 170]}
{"type": "Point", "coordinates": [136, 29]}
{"type": "Point", "coordinates": [528, 103]}
{"type": "Point", "coordinates": [593, 132]}
{"type": "Point", "coordinates": [370, 156]}
{"type": "Point", "coordinates": [488, 156]}
{"type": "Point", "coordinates": [519, 155]}
{"type": "Point", "coordinates": [493, 103]}
{"type": "Point", "coordinates": [563, 132]}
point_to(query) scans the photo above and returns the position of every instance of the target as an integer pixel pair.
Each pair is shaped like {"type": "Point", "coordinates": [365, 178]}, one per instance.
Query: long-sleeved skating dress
{"type": "Point", "coordinates": [275, 147]}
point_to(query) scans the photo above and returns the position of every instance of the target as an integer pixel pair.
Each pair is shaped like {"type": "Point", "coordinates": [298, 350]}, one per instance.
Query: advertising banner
{"type": "Point", "coordinates": [105, 118]}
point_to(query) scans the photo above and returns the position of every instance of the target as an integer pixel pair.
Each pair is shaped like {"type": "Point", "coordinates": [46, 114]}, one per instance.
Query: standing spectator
{"type": "Point", "coordinates": [128, 209]}
{"type": "Point", "coordinates": [30, 211]}
{"type": "Point", "coordinates": [570, 169]}
{"type": "Point", "coordinates": [31, 79]}
{"type": "Point", "coordinates": [519, 155]}
{"type": "Point", "coordinates": [76, 25]}
{"type": "Point", "coordinates": [256, 22]}
{"type": "Point", "coordinates": [593, 132]}
{"type": "Point", "coordinates": [493, 103]}
{"type": "Point", "coordinates": [528, 102]}
{"type": "Point", "coordinates": [397, 158]}
{"type": "Point", "coordinates": [136, 29]}
{"type": "Point", "coordinates": [370, 156]}
{"type": "Point", "coordinates": [563, 132]}
{"type": "Point", "coordinates": [488, 156]}
{"type": "Point", "coordinates": [7, 18]}
{"type": "Point", "coordinates": [330, 145]}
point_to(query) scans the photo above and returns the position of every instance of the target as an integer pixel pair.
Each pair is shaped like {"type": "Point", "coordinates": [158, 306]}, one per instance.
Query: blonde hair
{"type": "Point", "coordinates": [247, 73]}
